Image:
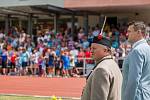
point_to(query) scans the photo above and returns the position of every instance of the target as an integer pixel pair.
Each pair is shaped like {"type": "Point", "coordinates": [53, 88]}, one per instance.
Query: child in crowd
{"type": "Point", "coordinates": [42, 66]}
{"type": "Point", "coordinates": [58, 67]}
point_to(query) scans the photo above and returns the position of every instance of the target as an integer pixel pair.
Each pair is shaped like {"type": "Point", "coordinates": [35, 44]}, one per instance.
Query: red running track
{"type": "Point", "coordinates": [24, 85]}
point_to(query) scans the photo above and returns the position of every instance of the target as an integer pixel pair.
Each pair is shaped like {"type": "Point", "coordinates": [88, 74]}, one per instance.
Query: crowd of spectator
{"type": "Point", "coordinates": [47, 54]}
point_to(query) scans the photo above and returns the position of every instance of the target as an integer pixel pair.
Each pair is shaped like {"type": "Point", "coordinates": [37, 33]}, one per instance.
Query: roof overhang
{"type": "Point", "coordinates": [14, 3]}
{"type": "Point", "coordinates": [36, 10]}
{"type": "Point", "coordinates": [31, 7]}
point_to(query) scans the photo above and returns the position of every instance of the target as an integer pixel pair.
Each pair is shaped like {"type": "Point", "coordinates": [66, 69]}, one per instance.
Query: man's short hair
{"type": "Point", "coordinates": [138, 25]}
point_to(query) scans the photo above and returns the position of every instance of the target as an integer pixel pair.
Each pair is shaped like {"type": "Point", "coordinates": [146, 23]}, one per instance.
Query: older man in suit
{"type": "Point", "coordinates": [136, 66]}
{"type": "Point", "coordinates": [104, 82]}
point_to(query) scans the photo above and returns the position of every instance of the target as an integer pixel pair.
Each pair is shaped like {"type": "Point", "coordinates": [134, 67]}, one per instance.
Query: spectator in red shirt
{"type": "Point", "coordinates": [88, 56]}
{"type": "Point", "coordinates": [13, 61]}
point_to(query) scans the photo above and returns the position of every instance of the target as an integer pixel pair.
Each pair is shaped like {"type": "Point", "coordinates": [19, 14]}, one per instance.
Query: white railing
{"type": "Point", "coordinates": [84, 67]}
{"type": "Point", "coordinates": [84, 64]}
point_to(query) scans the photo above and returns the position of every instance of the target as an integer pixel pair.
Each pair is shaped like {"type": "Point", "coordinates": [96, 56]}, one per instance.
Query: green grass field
{"type": "Point", "coordinates": [3, 97]}
{"type": "Point", "coordinates": [22, 98]}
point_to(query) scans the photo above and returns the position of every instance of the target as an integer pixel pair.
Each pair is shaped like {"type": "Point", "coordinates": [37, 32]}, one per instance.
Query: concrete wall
{"type": "Point", "coordinates": [122, 17]}
{"type": "Point", "coordinates": [102, 3]}
{"type": "Point", "coordinates": [93, 20]}
{"type": "Point", "coordinates": [142, 16]}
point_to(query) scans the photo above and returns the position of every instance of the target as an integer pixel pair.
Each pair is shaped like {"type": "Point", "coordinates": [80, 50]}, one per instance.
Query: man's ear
{"type": "Point", "coordinates": [139, 31]}
{"type": "Point", "coordinates": [105, 50]}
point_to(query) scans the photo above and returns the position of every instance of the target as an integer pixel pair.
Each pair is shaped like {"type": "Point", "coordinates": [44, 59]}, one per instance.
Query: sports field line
{"type": "Point", "coordinates": [72, 98]}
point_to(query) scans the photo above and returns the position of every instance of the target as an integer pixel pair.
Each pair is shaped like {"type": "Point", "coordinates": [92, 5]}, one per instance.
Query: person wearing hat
{"type": "Point", "coordinates": [136, 66]}
{"type": "Point", "coordinates": [104, 81]}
